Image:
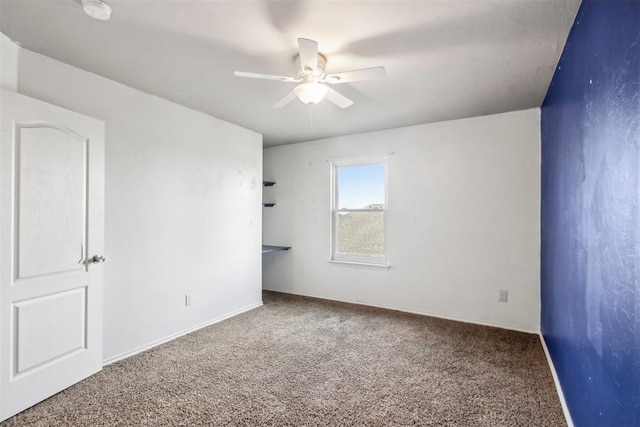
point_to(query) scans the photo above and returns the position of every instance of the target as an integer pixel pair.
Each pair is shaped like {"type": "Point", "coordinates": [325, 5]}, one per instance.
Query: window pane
{"type": "Point", "coordinates": [361, 186]}
{"type": "Point", "coordinates": [360, 233]}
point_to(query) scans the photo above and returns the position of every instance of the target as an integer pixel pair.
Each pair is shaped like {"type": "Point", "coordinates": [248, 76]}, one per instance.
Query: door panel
{"type": "Point", "coordinates": [50, 179]}
{"type": "Point", "coordinates": [51, 225]}
{"type": "Point", "coordinates": [49, 327]}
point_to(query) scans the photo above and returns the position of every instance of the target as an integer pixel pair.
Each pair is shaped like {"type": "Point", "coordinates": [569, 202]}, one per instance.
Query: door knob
{"type": "Point", "coordinates": [97, 259]}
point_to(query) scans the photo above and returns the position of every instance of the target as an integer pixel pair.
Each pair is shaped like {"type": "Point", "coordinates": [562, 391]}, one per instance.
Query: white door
{"type": "Point", "coordinates": [51, 227]}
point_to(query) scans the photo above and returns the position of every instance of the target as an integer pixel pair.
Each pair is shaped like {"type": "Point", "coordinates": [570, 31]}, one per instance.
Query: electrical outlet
{"type": "Point", "coordinates": [187, 299]}
{"type": "Point", "coordinates": [503, 296]}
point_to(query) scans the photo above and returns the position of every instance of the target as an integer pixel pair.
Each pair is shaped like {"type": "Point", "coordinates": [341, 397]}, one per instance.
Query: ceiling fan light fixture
{"type": "Point", "coordinates": [310, 93]}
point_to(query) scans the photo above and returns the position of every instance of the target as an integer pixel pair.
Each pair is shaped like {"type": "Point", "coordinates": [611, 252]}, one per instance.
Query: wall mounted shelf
{"type": "Point", "coordinates": [270, 248]}
{"type": "Point", "coordinates": [268, 184]}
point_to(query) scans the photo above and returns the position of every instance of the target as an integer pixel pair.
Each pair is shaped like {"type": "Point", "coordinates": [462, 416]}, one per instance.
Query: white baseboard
{"type": "Point", "coordinates": [421, 313]}
{"type": "Point", "coordinates": [156, 343]}
{"type": "Point", "coordinates": [556, 381]}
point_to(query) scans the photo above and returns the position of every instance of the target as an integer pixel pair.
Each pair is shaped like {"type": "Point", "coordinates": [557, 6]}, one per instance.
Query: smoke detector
{"type": "Point", "coordinates": [97, 9]}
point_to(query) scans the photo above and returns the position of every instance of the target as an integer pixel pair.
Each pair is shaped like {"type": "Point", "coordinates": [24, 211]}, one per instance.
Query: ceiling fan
{"type": "Point", "coordinates": [311, 75]}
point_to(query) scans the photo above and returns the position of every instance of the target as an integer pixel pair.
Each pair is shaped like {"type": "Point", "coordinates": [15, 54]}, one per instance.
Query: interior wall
{"type": "Point", "coordinates": [183, 194]}
{"type": "Point", "coordinates": [590, 263]}
{"type": "Point", "coordinates": [8, 63]}
{"type": "Point", "coordinates": [463, 220]}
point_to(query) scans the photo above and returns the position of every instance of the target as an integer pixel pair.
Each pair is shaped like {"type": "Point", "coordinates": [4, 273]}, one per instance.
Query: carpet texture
{"type": "Point", "coordinates": [306, 362]}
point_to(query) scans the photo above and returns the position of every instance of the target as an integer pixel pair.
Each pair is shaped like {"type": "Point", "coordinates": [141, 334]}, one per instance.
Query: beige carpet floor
{"type": "Point", "coordinates": [306, 362]}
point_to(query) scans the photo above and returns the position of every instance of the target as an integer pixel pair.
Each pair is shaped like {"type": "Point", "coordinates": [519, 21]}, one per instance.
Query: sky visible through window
{"type": "Point", "coordinates": [360, 186]}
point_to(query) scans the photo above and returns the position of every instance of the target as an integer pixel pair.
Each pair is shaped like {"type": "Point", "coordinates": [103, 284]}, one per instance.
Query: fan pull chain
{"type": "Point", "coordinates": [310, 116]}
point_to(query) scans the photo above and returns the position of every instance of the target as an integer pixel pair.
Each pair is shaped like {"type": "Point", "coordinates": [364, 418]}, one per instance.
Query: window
{"type": "Point", "coordinates": [359, 211]}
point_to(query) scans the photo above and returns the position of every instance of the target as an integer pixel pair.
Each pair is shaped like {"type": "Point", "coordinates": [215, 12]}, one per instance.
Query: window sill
{"type": "Point", "coordinates": [361, 264]}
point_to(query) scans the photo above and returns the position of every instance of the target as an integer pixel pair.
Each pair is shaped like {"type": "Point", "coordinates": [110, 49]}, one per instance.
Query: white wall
{"type": "Point", "coordinates": [8, 63]}
{"type": "Point", "coordinates": [463, 220]}
{"type": "Point", "coordinates": [183, 194]}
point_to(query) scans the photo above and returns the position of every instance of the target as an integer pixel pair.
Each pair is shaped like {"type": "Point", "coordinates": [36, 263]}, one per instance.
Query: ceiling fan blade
{"type": "Point", "coordinates": [264, 76]}
{"type": "Point", "coordinates": [338, 99]}
{"type": "Point", "coordinates": [308, 55]}
{"type": "Point", "coordinates": [284, 101]}
{"type": "Point", "coordinates": [356, 75]}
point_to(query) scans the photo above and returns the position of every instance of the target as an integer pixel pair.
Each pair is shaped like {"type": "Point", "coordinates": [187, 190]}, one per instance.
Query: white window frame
{"type": "Point", "coordinates": [358, 259]}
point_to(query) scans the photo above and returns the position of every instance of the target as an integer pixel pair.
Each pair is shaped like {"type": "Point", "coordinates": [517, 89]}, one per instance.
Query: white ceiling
{"type": "Point", "coordinates": [444, 59]}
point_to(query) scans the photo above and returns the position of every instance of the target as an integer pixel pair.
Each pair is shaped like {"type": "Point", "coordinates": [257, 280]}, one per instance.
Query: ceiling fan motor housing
{"type": "Point", "coordinates": [312, 75]}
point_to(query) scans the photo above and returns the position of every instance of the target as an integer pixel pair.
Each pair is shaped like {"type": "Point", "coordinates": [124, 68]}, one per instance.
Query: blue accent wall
{"type": "Point", "coordinates": [590, 213]}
